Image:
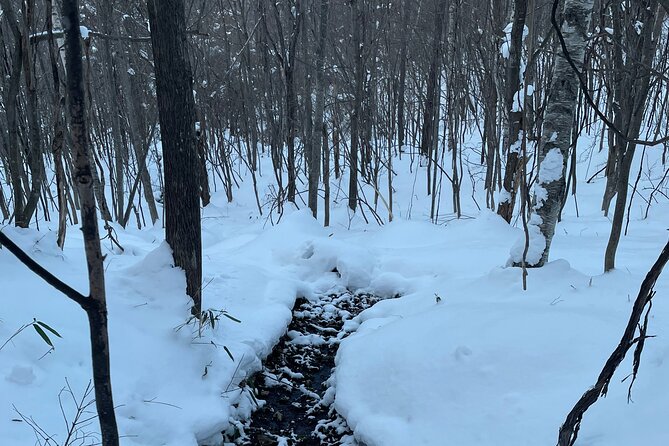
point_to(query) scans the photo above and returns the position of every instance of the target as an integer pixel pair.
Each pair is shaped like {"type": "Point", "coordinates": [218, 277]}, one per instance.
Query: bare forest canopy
{"type": "Point", "coordinates": [327, 89]}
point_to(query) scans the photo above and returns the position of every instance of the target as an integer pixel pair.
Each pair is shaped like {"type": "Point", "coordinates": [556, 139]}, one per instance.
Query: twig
{"type": "Point", "coordinates": [153, 401]}
{"type": "Point", "coordinates": [23, 327]}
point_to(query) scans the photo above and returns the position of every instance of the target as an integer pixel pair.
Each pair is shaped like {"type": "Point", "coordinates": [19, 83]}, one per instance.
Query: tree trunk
{"type": "Point", "coordinates": [428, 141]}
{"type": "Point", "coordinates": [401, 91]}
{"type": "Point", "coordinates": [111, 90]}
{"type": "Point", "coordinates": [59, 136]}
{"type": "Point", "coordinates": [35, 152]}
{"type": "Point", "coordinates": [633, 103]}
{"type": "Point", "coordinates": [140, 136]}
{"type": "Point", "coordinates": [176, 107]}
{"type": "Point", "coordinates": [556, 136]}
{"type": "Point", "coordinates": [291, 102]}
{"type": "Point", "coordinates": [316, 136]}
{"type": "Point", "coordinates": [96, 310]}
{"type": "Point", "coordinates": [326, 177]}
{"type": "Point", "coordinates": [513, 103]}
{"type": "Point", "coordinates": [358, 32]}
{"type": "Point", "coordinates": [11, 106]}
{"type": "Point", "coordinates": [203, 176]}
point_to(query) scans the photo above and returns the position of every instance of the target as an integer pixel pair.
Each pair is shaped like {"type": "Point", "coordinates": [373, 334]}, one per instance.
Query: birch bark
{"type": "Point", "coordinates": [556, 137]}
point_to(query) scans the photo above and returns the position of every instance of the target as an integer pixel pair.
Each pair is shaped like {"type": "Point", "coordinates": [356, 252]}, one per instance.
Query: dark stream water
{"type": "Point", "coordinates": [293, 393]}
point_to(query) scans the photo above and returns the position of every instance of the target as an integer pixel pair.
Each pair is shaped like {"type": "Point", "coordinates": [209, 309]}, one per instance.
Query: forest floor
{"type": "Point", "coordinates": [465, 357]}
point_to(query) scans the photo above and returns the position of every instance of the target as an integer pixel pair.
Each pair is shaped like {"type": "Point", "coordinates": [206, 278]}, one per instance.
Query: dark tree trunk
{"type": "Point", "coordinates": [140, 137]}
{"type": "Point", "coordinates": [291, 112]}
{"type": "Point", "coordinates": [203, 176]}
{"type": "Point", "coordinates": [428, 141]}
{"type": "Point", "coordinates": [59, 136]}
{"type": "Point", "coordinates": [358, 24]}
{"type": "Point", "coordinates": [634, 96]}
{"type": "Point", "coordinates": [117, 178]}
{"type": "Point", "coordinates": [12, 110]}
{"type": "Point", "coordinates": [176, 107]}
{"type": "Point", "coordinates": [291, 102]}
{"type": "Point", "coordinates": [35, 152]}
{"type": "Point", "coordinates": [513, 95]}
{"type": "Point", "coordinates": [401, 91]}
{"type": "Point", "coordinates": [326, 177]}
{"type": "Point", "coordinates": [315, 158]}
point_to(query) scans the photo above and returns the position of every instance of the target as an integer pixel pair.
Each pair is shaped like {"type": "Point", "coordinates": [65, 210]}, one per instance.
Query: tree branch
{"type": "Point", "coordinates": [49, 278]}
{"type": "Point", "coordinates": [59, 33]}
{"type": "Point", "coordinates": [569, 430]}
{"type": "Point", "coordinates": [584, 86]}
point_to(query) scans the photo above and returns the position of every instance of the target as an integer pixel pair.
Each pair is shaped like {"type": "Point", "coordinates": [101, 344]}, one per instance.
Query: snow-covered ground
{"type": "Point", "coordinates": [464, 357]}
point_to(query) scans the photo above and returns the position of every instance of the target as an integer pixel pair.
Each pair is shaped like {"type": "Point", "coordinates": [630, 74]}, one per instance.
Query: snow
{"type": "Point", "coordinates": [85, 32]}
{"type": "Point", "coordinates": [517, 145]}
{"type": "Point", "coordinates": [158, 371]}
{"type": "Point", "coordinates": [487, 364]}
{"type": "Point", "coordinates": [536, 246]}
{"type": "Point", "coordinates": [511, 387]}
{"type": "Point", "coordinates": [517, 101]}
{"type": "Point", "coordinates": [505, 48]}
{"type": "Point", "coordinates": [540, 195]}
{"type": "Point", "coordinates": [504, 196]}
{"type": "Point", "coordinates": [494, 365]}
{"type": "Point", "coordinates": [551, 166]}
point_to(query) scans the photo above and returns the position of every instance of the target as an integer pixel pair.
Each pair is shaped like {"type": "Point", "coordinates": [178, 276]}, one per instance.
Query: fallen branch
{"type": "Point", "coordinates": [569, 429]}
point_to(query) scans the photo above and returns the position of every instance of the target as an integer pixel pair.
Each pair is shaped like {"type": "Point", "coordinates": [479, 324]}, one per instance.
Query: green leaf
{"type": "Point", "coordinates": [228, 352]}
{"type": "Point", "coordinates": [212, 320]}
{"type": "Point", "coordinates": [232, 318]}
{"type": "Point", "coordinates": [43, 335]}
{"type": "Point", "coordinates": [49, 328]}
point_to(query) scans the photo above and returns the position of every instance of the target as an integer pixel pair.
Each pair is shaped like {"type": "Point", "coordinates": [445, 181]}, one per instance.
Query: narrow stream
{"type": "Point", "coordinates": [292, 389]}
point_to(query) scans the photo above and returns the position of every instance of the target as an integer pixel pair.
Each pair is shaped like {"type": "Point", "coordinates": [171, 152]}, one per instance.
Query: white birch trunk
{"type": "Point", "coordinates": [556, 137]}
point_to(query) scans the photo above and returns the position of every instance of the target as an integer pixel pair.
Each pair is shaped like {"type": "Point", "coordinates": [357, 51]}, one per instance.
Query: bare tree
{"type": "Point", "coordinates": [429, 134]}
{"type": "Point", "coordinates": [632, 85]}
{"type": "Point", "coordinates": [176, 107]}
{"type": "Point", "coordinates": [358, 24]}
{"type": "Point", "coordinates": [317, 131]}
{"type": "Point", "coordinates": [94, 304]}
{"type": "Point", "coordinates": [557, 132]}
{"type": "Point", "coordinates": [513, 109]}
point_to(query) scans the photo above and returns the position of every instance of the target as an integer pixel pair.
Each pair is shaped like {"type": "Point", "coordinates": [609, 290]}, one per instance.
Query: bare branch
{"type": "Point", "coordinates": [569, 430]}
{"type": "Point", "coordinates": [586, 93]}
{"type": "Point", "coordinates": [59, 33]}
{"type": "Point", "coordinates": [23, 257]}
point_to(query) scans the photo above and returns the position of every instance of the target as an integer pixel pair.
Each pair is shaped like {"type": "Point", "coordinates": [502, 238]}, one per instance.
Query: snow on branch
{"type": "Point", "coordinates": [88, 33]}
